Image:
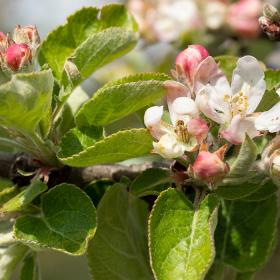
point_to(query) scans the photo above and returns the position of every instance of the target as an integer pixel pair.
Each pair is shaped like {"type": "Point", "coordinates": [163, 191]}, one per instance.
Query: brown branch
{"type": "Point", "coordinates": [80, 176]}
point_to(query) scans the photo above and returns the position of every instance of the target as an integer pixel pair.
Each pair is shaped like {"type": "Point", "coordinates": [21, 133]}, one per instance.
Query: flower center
{"type": "Point", "coordinates": [181, 131]}
{"type": "Point", "coordinates": [239, 104]}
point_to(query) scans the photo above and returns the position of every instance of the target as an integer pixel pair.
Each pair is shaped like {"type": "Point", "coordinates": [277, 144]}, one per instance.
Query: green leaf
{"type": "Point", "coordinates": [29, 270]}
{"type": "Point", "coordinates": [116, 147]}
{"type": "Point", "coordinates": [119, 248]}
{"type": "Point", "coordinates": [120, 98]}
{"type": "Point", "coordinates": [264, 192]}
{"type": "Point", "coordinates": [151, 182]}
{"type": "Point", "coordinates": [96, 51]}
{"type": "Point", "coordinates": [25, 197]}
{"type": "Point", "coordinates": [96, 189]}
{"type": "Point", "coordinates": [9, 258]}
{"type": "Point", "coordinates": [227, 63]}
{"type": "Point", "coordinates": [272, 79]}
{"type": "Point", "coordinates": [246, 233]}
{"type": "Point", "coordinates": [68, 221]}
{"type": "Point", "coordinates": [7, 190]}
{"type": "Point", "coordinates": [78, 140]}
{"type": "Point", "coordinates": [244, 276]}
{"type": "Point", "coordinates": [181, 237]}
{"type": "Point", "coordinates": [246, 157]}
{"type": "Point", "coordinates": [90, 38]}
{"type": "Point", "coordinates": [26, 100]}
{"type": "Point", "coordinates": [269, 99]}
{"type": "Point", "coordinates": [232, 192]}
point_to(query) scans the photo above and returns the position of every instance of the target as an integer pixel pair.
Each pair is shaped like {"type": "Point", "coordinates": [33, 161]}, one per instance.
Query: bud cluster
{"type": "Point", "coordinates": [270, 22]}
{"type": "Point", "coordinates": [17, 52]}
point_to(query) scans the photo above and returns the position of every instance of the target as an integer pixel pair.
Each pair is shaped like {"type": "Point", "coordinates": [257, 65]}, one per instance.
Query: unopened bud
{"type": "Point", "coordinates": [189, 60]}
{"type": "Point", "coordinates": [18, 55]}
{"type": "Point", "coordinates": [272, 29]}
{"type": "Point", "coordinates": [209, 167]}
{"type": "Point", "coordinates": [72, 71]}
{"type": "Point", "coordinates": [27, 35]}
{"type": "Point", "coordinates": [271, 13]}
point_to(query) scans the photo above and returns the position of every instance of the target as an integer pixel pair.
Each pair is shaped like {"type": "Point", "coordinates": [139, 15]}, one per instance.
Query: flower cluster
{"type": "Point", "coordinates": [168, 20]}
{"type": "Point", "coordinates": [17, 52]}
{"type": "Point", "coordinates": [201, 96]}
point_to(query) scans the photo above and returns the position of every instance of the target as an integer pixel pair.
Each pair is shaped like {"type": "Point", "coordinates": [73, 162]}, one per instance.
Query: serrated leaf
{"type": "Point", "coordinates": [119, 248]}
{"type": "Point", "coordinates": [9, 258]}
{"type": "Point", "coordinates": [116, 147]}
{"type": "Point", "coordinates": [25, 197]}
{"type": "Point", "coordinates": [26, 97]}
{"type": "Point", "coordinates": [246, 232]}
{"type": "Point", "coordinates": [98, 50]}
{"type": "Point", "coordinates": [181, 237]}
{"type": "Point", "coordinates": [29, 270]}
{"type": "Point", "coordinates": [68, 221]}
{"type": "Point", "coordinates": [151, 182]}
{"type": "Point", "coordinates": [246, 157]}
{"type": "Point", "coordinates": [83, 34]}
{"type": "Point", "coordinates": [120, 98]}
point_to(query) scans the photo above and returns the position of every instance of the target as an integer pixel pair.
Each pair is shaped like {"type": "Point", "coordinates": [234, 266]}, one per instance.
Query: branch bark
{"type": "Point", "coordinates": [83, 176]}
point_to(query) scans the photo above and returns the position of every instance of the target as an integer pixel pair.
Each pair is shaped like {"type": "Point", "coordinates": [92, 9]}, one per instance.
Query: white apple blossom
{"type": "Point", "coordinates": [270, 120]}
{"type": "Point", "coordinates": [185, 131]}
{"type": "Point", "coordinates": [233, 106]}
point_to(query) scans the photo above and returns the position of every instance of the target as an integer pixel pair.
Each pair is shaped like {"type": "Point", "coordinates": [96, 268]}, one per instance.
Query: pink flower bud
{"type": "Point", "coordinates": [209, 167]}
{"type": "Point", "coordinates": [243, 17]}
{"type": "Point", "coordinates": [189, 60]}
{"type": "Point", "coordinates": [198, 128]}
{"type": "Point", "coordinates": [17, 55]}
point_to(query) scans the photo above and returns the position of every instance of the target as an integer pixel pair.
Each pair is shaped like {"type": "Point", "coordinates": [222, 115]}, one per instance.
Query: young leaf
{"type": "Point", "coordinates": [227, 63]}
{"type": "Point", "coordinates": [9, 258]}
{"type": "Point", "coordinates": [181, 237]}
{"type": "Point", "coordinates": [25, 197]}
{"type": "Point", "coordinates": [119, 248]}
{"type": "Point", "coordinates": [120, 98]}
{"type": "Point", "coordinates": [269, 99]}
{"type": "Point", "coordinates": [245, 158]}
{"type": "Point", "coordinates": [98, 50]}
{"type": "Point", "coordinates": [151, 182]}
{"type": "Point", "coordinates": [116, 147]}
{"type": "Point", "coordinates": [90, 38]}
{"type": "Point", "coordinates": [26, 97]}
{"type": "Point", "coordinates": [246, 233]}
{"type": "Point", "coordinates": [29, 270]}
{"type": "Point", "coordinates": [68, 221]}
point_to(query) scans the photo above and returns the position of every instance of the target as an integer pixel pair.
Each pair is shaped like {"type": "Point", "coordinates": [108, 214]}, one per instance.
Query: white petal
{"type": "Point", "coordinates": [269, 120]}
{"type": "Point", "coordinates": [168, 147]}
{"type": "Point", "coordinates": [153, 116]}
{"type": "Point", "coordinates": [213, 102]}
{"type": "Point", "coordinates": [278, 91]}
{"type": "Point", "coordinates": [183, 108]}
{"type": "Point", "coordinates": [248, 78]}
{"type": "Point", "coordinates": [152, 120]}
{"type": "Point", "coordinates": [238, 128]}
